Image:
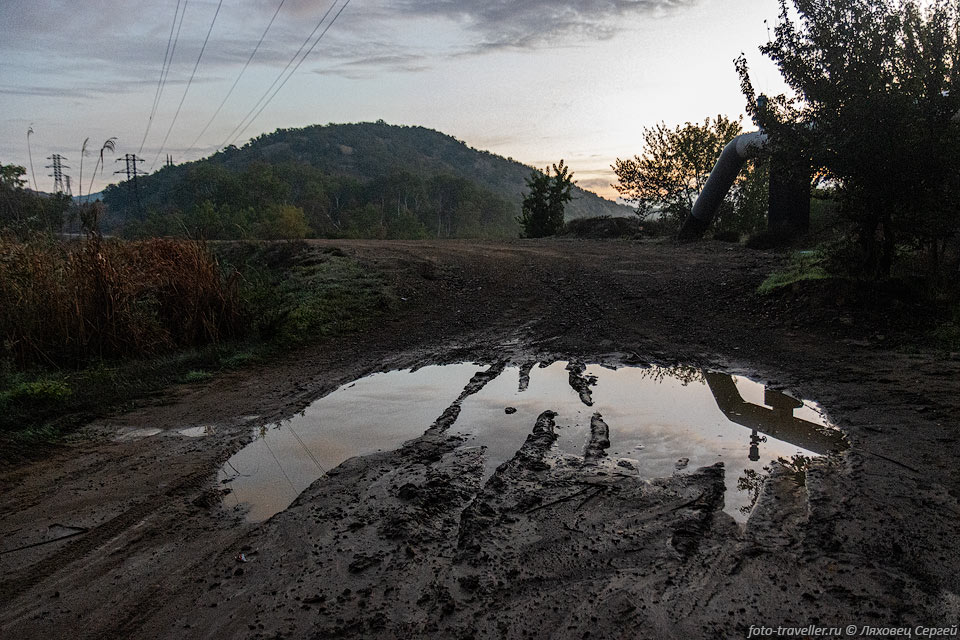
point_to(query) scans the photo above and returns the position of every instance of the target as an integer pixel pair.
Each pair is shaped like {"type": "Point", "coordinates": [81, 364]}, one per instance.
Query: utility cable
{"type": "Point", "coordinates": [282, 470]}
{"type": "Point", "coordinates": [165, 69]}
{"type": "Point", "coordinates": [189, 82]}
{"type": "Point", "coordinates": [231, 135]}
{"type": "Point", "coordinates": [307, 449]}
{"type": "Point", "coordinates": [304, 57]}
{"type": "Point", "coordinates": [240, 75]}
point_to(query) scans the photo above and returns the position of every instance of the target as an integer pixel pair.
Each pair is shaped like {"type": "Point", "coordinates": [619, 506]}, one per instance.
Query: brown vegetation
{"type": "Point", "coordinates": [64, 302]}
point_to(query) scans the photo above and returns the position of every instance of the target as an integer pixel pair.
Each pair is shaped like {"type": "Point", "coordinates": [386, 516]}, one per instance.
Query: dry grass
{"type": "Point", "coordinates": [66, 303]}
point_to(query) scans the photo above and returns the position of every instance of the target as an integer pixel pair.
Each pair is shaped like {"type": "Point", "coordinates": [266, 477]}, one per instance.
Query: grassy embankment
{"type": "Point", "coordinates": [90, 327]}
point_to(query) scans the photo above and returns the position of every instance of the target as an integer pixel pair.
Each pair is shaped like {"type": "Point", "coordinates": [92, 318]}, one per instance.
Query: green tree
{"type": "Point", "coordinates": [23, 211]}
{"type": "Point", "coordinates": [674, 166]}
{"type": "Point", "coordinates": [745, 210]}
{"type": "Point", "coordinates": [282, 222]}
{"type": "Point", "coordinates": [203, 221]}
{"type": "Point", "coordinates": [15, 202]}
{"type": "Point", "coordinates": [542, 209]}
{"type": "Point", "coordinates": [875, 92]}
{"type": "Point", "coordinates": [11, 176]}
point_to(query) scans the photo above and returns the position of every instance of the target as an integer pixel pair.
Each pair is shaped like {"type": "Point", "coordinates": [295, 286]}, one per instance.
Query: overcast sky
{"type": "Point", "coordinates": [536, 80]}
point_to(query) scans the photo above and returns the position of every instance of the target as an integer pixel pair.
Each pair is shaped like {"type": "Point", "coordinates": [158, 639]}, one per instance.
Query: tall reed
{"type": "Point", "coordinates": [67, 303]}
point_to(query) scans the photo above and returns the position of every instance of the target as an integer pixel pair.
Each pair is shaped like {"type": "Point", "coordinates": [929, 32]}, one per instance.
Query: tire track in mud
{"type": "Point", "coordinates": [580, 382]}
{"type": "Point", "coordinates": [438, 553]}
{"type": "Point", "coordinates": [571, 291]}
{"type": "Point", "coordinates": [95, 538]}
{"type": "Point", "coordinates": [136, 615]}
{"type": "Point", "coordinates": [139, 614]}
{"type": "Point", "coordinates": [534, 451]}
{"type": "Point", "coordinates": [474, 386]}
{"type": "Point", "coordinates": [863, 540]}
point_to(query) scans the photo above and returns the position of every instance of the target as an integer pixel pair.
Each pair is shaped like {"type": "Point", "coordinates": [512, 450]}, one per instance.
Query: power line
{"type": "Point", "coordinates": [282, 470]}
{"type": "Point", "coordinates": [304, 57]}
{"type": "Point", "coordinates": [189, 82]}
{"type": "Point", "coordinates": [173, 52]}
{"type": "Point", "coordinates": [131, 171]}
{"type": "Point", "coordinates": [307, 449]}
{"type": "Point", "coordinates": [240, 75]}
{"type": "Point", "coordinates": [231, 135]}
{"type": "Point", "coordinates": [163, 69]}
{"type": "Point", "coordinates": [57, 174]}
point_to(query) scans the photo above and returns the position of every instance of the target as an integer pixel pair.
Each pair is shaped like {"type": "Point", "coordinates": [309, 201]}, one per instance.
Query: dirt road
{"type": "Point", "coordinates": [129, 539]}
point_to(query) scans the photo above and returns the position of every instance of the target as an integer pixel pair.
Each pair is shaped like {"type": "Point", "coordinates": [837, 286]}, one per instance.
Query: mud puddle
{"type": "Point", "coordinates": [650, 421]}
{"type": "Point", "coordinates": [378, 412]}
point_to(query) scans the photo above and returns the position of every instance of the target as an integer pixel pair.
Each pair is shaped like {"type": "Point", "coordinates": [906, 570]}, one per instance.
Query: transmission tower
{"type": "Point", "coordinates": [66, 180]}
{"type": "Point", "coordinates": [57, 175]}
{"type": "Point", "coordinates": [169, 162]}
{"type": "Point", "coordinates": [131, 171]}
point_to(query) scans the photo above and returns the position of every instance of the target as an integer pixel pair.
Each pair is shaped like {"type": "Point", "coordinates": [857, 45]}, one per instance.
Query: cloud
{"type": "Point", "coordinates": [63, 38]}
{"type": "Point", "coordinates": [93, 91]}
{"type": "Point", "coordinates": [375, 61]}
{"type": "Point", "coordinates": [47, 92]}
{"type": "Point", "coordinates": [533, 23]}
{"type": "Point", "coordinates": [595, 184]}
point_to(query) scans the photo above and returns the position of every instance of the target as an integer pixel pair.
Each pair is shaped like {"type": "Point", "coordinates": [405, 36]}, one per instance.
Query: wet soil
{"type": "Point", "coordinates": [122, 534]}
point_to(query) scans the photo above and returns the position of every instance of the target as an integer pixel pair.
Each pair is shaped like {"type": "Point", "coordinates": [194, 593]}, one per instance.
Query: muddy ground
{"type": "Point", "coordinates": [411, 543]}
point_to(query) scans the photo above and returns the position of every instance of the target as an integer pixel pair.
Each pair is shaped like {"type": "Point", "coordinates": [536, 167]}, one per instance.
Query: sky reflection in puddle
{"type": "Point", "coordinates": [661, 422]}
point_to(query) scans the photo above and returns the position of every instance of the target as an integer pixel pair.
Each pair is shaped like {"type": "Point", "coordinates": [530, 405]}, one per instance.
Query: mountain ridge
{"type": "Point", "coordinates": [349, 142]}
{"type": "Point", "coordinates": [338, 180]}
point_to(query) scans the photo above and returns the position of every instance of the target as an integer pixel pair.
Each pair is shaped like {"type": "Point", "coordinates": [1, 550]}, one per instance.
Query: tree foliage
{"type": "Point", "coordinates": [225, 201]}
{"type": "Point", "coordinates": [875, 87]}
{"type": "Point", "coordinates": [23, 211]}
{"type": "Point", "coordinates": [674, 167]}
{"type": "Point", "coordinates": [542, 209]}
{"type": "Point", "coordinates": [421, 183]}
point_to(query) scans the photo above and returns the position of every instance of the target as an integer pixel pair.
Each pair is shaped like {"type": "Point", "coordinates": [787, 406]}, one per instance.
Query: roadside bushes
{"type": "Point", "coordinates": [603, 227]}
{"type": "Point", "coordinates": [87, 327]}
{"type": "Point", "coordinates": [66, 303]}
{"type": "Point", "coordinates": [296, 293]}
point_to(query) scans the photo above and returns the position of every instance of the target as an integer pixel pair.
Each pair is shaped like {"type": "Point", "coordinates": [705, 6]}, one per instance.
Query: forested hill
{"type": "Point", "coordinates": [373, 150]}
{"type": "Point", "coordinates": [370, 179]}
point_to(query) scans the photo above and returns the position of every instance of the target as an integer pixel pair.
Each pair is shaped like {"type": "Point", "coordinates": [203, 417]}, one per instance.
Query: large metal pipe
{"type": "Point", "coordinates": [724, 174]}
{"type": "Point", "coordinates": [789, 203]}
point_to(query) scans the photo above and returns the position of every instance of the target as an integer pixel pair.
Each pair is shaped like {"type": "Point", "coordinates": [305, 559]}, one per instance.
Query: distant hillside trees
{"type": "Point", "coordinates": [295, 200]}
{"type": "Point", "coordinates": [876, 93]}
{"type": "Point", "coordinates": [665, 180]}
{"type": "Point", "coordinates": [543, 206]}
{"type": "Point", "coordinates": [23, 211]}
{"type": "Point", "coordinates": [367, 179]}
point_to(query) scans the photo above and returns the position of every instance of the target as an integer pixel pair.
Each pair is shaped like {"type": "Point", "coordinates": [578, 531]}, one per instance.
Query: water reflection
{"type": "Point", "coordinates": [660, 421]}
{"type": "Point", "coordinates": [775, 420]}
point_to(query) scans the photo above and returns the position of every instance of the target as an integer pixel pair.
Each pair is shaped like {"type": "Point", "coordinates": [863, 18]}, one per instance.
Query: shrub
{"type": "Point", "coordinates": [25, 402]}
{"type": "Point", "coordinates": [805, 265]}
{"type": "Point", "coordinates": [197, 376]}
{"type": "Point", "coordinates": [603, 227]}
